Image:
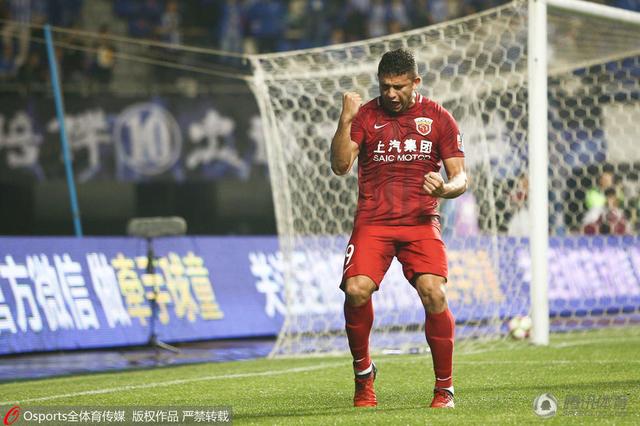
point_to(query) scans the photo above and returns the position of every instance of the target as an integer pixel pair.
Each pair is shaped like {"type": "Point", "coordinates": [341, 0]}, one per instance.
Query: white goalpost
{"type": "Point", "coordinates": [538, 163]}
{"type": "Point", "coordinates": [538, 152]}
{"type": "Point", "coordinates": [547, 95]}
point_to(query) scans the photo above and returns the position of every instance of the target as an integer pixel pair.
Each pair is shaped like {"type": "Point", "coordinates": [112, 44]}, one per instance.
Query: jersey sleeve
{"type": "Point", "coordinates": [451, 144]}
{"type": "Point", "coordinates": [357, 127]}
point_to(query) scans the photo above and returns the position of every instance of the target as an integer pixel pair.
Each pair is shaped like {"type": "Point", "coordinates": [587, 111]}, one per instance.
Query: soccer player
{"type": "Point", "coordinates": [401, 140]}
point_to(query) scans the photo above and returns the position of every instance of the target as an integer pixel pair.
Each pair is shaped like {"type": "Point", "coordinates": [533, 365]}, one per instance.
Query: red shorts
{"type": "Point", "coordinates": [419, 249]}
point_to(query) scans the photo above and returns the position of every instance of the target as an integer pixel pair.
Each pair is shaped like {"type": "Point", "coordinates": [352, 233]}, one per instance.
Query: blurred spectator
{"type": "Point", "coordinates": [337, 36]}
{"type": "Point", "coordinates": [169, 29]}
{"type": "Point", "coordinates": [4, 10]}
{"type": "Point", "coordinates": [469, 7]}
{"type": "Point", "coordinates": [377, 19]}
{"type": "Point", "coordinates": [420, 15]}
{"type": "Point", "coordinates": [611, 218]}
{"type": "Point", "coordinates": [127, 8]}
{"type": "Point", "coordinates": [398, 16]}
{"type": "Point", "coordinates": [355, 22]}
{"type": "Point", "coordinates": [595, 197]}
{"type": "Point", "coordinates": [297, 24]}
{"type": "Point", "coordinates": [361, 5]}
{"type": "Point", "coordinates": [326, 14]}
{"type": "Point", "coordinates": [520, 222]}
{"type": "Point", "coordinates": [232, 27]}
{"type": "Point", "coordinates": [626, 4]}
{"type": "Point", "coordinates": [141, 27]}
{"type": "Point", "coordinates": [439, 10]}
{"type": "Point", "coordinates": [144, 17]}
{"type": "Point", "coordinates": [63, 13]}
{"type": "Point", "coordinates": [635, 214]}
{"type": "Point", "coordinates": [7, 64]}
{"type": "Point", "coordinates": [202, 21]}
{"type": "Point", "coordinates": [151, 11]}
{"type": "Point", "coordinates": [104, 60]}
{"type": "Point", "coordinates": [265, 24]}
{"type": "Point", "coordinates": [33, 71]}
{"type": "Point", "coordinates": [394, 27]}
{"type": "Point", "coordinates": [18, 29]}
{"type": "Point", "coordinates": [73, 65]}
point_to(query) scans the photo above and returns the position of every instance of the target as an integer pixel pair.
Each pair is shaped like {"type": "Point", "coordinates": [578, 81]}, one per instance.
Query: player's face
{"type": "Point", "coordinates": [397, 92]}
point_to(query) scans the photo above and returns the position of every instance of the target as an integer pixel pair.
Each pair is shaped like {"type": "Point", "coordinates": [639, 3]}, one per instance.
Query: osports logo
{"type": "Point", "coordinates": [12, 415]}
{"type": "Point", "coordinates": [423, 125]}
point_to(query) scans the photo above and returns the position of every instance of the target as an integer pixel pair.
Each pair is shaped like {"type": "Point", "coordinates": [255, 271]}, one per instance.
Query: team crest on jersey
{"type": "Point", "coordinates": [423, 125]}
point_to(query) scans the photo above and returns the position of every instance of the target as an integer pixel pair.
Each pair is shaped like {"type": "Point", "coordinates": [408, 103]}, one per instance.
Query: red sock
{"type": "Point", "coordinates": [440, 331]}
{"type": "Point", "coordinates": [359, 320]}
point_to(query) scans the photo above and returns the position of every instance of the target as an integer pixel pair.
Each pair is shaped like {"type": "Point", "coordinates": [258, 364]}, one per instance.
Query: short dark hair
{"type": "Point", "coordinates": [608, 168]}
{"type": "Point", "coordinates": [398, 62]}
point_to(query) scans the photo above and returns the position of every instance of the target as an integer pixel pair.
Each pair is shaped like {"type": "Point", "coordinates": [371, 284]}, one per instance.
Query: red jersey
{"type": "Point", "coordinates": [396, 151]}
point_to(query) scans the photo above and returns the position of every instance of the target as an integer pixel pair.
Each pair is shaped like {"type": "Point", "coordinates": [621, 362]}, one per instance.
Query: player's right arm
{"type": "Point", "coordinates": [344, 150]}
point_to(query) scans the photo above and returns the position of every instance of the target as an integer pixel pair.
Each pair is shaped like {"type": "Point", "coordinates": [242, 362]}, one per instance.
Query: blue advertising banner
{"type": "Point", "coordinates": [71, 293]}
{"type": "Point", "coordinates": [68, 293]}
{"type": "Point", "coordinates": [489, 278]}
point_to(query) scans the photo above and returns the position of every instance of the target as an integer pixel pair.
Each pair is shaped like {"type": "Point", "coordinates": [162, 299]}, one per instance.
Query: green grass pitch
{"type": "Point", "coordinates": [598, 372]}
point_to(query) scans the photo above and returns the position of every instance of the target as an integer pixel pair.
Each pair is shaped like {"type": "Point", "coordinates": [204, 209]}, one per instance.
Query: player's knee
{"type": "Point", "coordinates": [358, 290]}
{"type": "Point", "coordinates": [432, 294]}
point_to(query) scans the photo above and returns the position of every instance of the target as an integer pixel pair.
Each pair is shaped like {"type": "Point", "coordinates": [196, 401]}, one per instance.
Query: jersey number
{"type": "Point", "coordinates": [350, 250]}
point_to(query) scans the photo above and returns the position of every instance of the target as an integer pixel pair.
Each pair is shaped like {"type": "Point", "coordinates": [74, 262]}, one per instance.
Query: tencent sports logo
{"type": "Point", "coordinates": [423, 125]}
{"type": "Point", "coordinates": [12, 415]}
{"type": "Point", "coordinates": [545, 405]}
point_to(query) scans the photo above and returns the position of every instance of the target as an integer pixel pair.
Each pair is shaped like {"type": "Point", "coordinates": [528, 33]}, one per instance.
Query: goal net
{"type": "Point", "coordinates": [477, 68]}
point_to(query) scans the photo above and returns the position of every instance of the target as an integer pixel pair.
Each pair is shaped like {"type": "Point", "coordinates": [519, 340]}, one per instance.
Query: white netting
{"type": "Point", "coordinates": [477, 68]}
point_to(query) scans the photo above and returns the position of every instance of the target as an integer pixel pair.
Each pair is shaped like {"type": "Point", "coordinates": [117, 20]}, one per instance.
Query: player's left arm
{"type": "Point", "coordinates": [457, 182]}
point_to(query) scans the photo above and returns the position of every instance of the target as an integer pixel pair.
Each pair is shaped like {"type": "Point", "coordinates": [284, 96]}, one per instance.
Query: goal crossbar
{"type": "Point", "coordinates": [595, 9]}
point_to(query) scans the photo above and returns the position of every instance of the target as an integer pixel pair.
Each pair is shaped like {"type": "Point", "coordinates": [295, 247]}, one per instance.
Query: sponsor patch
{"type": "Point", "coordinates": [460, 142]}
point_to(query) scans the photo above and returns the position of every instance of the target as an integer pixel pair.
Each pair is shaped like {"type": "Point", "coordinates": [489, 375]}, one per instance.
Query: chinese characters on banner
{"type": "Point", "coordinates": [62, 292]}
{"type": "Point", "coordinates": [132, 138]}
{"type": "Point", "coordinates": [67, 293]}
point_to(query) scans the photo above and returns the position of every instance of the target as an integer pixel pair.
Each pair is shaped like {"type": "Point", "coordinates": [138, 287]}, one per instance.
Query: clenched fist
{"type": "Point", "coordinates": [350, 105]}
{"type": "Point", "coordinates": [433, 184]}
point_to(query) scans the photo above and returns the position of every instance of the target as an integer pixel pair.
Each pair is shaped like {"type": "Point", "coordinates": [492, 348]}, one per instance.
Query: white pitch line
{"type": "Point", "coordinates": [558, 345]}
{"type": "Point", "coordinates": [519, 362]}
{"type": "Point", "coordinates": [305, 369]}
{"type": "Point", "coordinates": [172, 383]}
{"type": "Point", "coordinates": [592, 341]}
{"type": "Point", "coordinates": [553, 361]}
